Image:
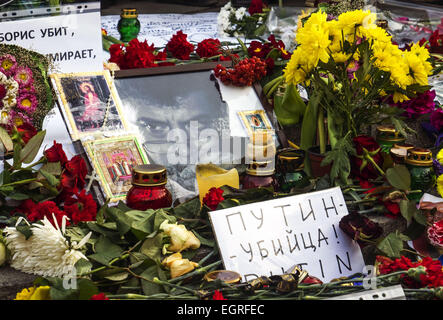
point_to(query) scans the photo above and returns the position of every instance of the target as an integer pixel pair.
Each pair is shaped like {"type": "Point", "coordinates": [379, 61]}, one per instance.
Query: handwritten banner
{"type": "Point", "coordinates": [267, 238]}
{"type": "Point", "coordinates": [71, 39]}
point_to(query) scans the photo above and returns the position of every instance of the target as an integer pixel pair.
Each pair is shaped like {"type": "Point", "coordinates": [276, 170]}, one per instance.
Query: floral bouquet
{"type": "Point", "coordinates": [26, 96]}
{"type": "Point", "coordinates": [349, 67]}
{"type": "Point", "coordinates": [236, 22]}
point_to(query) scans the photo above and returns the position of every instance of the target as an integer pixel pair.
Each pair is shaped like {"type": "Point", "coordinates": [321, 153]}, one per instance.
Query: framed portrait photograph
{"type": "Point", "coordinates": [89, 103]}
{"type": "Point", "coordinates": [181, 117]}
{"type": "Point", "coordinates": [113, 160]}
{"type": "Point", "coordinates": [255, 120]}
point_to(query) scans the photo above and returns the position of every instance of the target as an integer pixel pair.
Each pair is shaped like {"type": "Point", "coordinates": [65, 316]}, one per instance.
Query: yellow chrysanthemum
{"type": "Point", "coordinates": [313, 37]}
{"type": "Point", "coordinates": [340, 57]}
{"type": "Point", "coordinates": [417, 70]}
{"type": "Point", "coordinates": [33, 293]}
{"type": "Point", "coordinates": [351, 19]}
{"type": "Point", "coordinates": [439, 156]}
{"type": "Point", "coordinates": [440, 185]}
{"type": "Point", "coordinates": [399, 97]}
{"type": "Point", "coordinates": [297, 68]}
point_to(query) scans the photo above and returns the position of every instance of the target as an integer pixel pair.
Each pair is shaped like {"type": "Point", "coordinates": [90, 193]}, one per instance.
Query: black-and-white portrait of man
{"type": "Point", "coordinates": [181, 119]}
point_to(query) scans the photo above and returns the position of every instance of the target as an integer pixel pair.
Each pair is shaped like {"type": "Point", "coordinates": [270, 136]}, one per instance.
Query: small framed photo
{"type": "Point", "coordinates": [113, 160]}
{"type": "Point", "coordinates": [89, 102]}
{"type": "Point", "coordinates": [255, 120]}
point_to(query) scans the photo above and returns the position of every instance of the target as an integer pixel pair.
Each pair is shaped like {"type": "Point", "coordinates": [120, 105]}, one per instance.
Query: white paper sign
{"type": "Point", "coordinates": [73, 41]}
{"type": "Point", "coordinates": [267, 238]}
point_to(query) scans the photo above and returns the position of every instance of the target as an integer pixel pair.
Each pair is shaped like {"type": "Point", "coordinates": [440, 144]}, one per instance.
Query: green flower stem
{"type": "Point", "coordinates": [17, 183]}
{"type": "Point", "coordinates": [321, 131]}
{"type": "Point", "coordinates": [168, 284]}
{"type": "Point", "coordinates": [196, 272]}
{"type": "Point", "coordinates": [380, 170]}
{"type": "Point", "coordinates": [204, 259]}
{"type": "Point", "coordinates": [42, 160]}
{"type": "Point", "coordinates": [105, 267]}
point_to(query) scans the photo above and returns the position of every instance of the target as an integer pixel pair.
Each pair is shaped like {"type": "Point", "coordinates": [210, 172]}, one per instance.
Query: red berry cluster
{"type": "Point", "coordinates": [244, 73]}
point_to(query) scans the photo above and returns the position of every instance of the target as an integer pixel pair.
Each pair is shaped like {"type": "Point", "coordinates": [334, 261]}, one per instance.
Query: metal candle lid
{"type": "Point", "coordinates": [224, 275]}
{"type": "Point", "coordinates": [129, 13]}
{"type": "Point", "coordinates": [261, 168]}
{"type": "Point", "coordinates": [149, 175]}
{"type": "Point", "coordinates": [419, 157]}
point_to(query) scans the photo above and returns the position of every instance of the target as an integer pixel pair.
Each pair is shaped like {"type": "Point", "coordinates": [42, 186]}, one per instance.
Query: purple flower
{"type": "Point", "coordinates": [8, 64]}
{"type": "Point", "coordinates": [437, 119]}
{"type": "Point", "coordinates": [423, 103]}
{"type": "Point", "coordinates": [438, 168]}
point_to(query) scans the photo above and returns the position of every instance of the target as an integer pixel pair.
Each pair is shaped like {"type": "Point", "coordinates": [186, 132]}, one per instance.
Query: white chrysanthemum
{"type": "Point", "coordinates": [240, 13]}
{"type": "Point", "coordinates": [46, 252]}
{"type": "Point", "coordinates": [223, 22]}
{"type": "Point", "coordinates": [11, 86]}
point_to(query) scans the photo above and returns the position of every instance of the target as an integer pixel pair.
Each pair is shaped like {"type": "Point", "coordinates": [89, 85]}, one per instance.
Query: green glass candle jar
{"type": "Point", "coordinates": [419, 163]}
{"type": "Point", "coordinates": [290, 170]}
{"type": "Point", "coordinates": [387, 136]}
{"type": "Point", "coordinates": [128, 26]}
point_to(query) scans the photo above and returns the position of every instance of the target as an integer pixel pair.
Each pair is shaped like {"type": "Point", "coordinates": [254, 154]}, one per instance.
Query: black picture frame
{"type": "Point", "coordinates": [194, 76]}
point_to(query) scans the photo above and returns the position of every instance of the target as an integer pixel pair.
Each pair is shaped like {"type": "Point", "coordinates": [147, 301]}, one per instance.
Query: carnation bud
{"type": "Point", "coordinates": [415, 273]}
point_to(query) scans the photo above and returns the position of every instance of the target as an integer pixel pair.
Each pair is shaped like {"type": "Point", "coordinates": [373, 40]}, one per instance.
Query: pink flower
{"type": "Point", "coordinates": [18, 118]}
{"type": "Point", "coordinates": [435, 234]}
{"type": "Point", "coordinates": [27, 102]}
{"type": "Point", "coordinates": [423, 103]}
{"type": "Point", "coordinates": [23, 76]}
{"type": "Point", "coordinates": [8, 64]}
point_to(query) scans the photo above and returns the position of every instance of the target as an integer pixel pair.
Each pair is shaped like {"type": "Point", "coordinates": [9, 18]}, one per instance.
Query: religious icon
{"type": "Point", "coordinates": [89, 103]}
{"type": "Point", "coordinates": [113, 159]}
{"type": "Point", "coordinates": [255, 120]}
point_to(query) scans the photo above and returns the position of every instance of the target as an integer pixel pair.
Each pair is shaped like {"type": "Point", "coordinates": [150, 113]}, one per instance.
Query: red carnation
{"type": "Point", "coordinates": [179, 47]}
{"type": "Point", "coordinates": [46, 209]}
{"type": "Point", "coordinates": [100, 296]}
{"type": "Point", "coordinates": [256, 6]}
{"type": "Point", "coordinates": [56, 154]}
{"type": "Point", "coordinates": [218, 295]}
{"type": "Point", "coordinates": [208, 48]}
{"type": "Point", "coordinates": [368, 153]}
{"type": "Point", "coordinates": [435, 234]}
{"type": "Point", "coordinates": [213, 198]}
{"type": "Point", "coordinates": [117, 54]}
{"type": "Point", "coordinates": [81, 207]}
{"type": "Point", "coordinates": [74, 175]}
{"type": "Point", "coordinates": [26, 131]}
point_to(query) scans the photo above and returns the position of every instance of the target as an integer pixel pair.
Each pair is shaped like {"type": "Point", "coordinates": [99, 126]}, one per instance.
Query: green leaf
{"type": "Point", "coordinates": [152, 247]}
{"type": "Point", "coordinates": [392, 244]}
{"type": "Point", "coordinates": [86, 289]}
{"type": "Point", "coordinates": [204, 241]}
{"type": "Point", "coordinates": [54, 168]}
{"type": "Point", "coordinates": [161, 216]}
{"type": "Point", "coordinates": [290, 107]}
{"type": "Point", "coordinates": [6, 140]}
{"type": "Point", "coordinates": [188, 209]}
{"type": "Point", "coordinates": [19, 196]}
{"type": "Point", "coordinates": [52, 180]}
{"type": "Point", "coordinates": [31, 149]}
{"type": "Point", "coordinates": [148, 287]}
{"type": "Point", "coordinates": [420, 218]}
{"type": "Point", "coordinates": [17, 156]}
{"type": "Point", "coordinates": [83, 266]}
{"type": "Point", "coordinates": [339, 157]}
{"type": "Point", "coordinates": [105, 251]}
{"type": "Point", "coordinates": [309, 124]}
{"type": "Point", "coordinates": [407, 209]}
{"type": "Point", "coordinates": [399, 177]}
{"type": "Point", "coordinates": [123, 221]}
{"type": "Point", "coordinates": [25, 230]}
